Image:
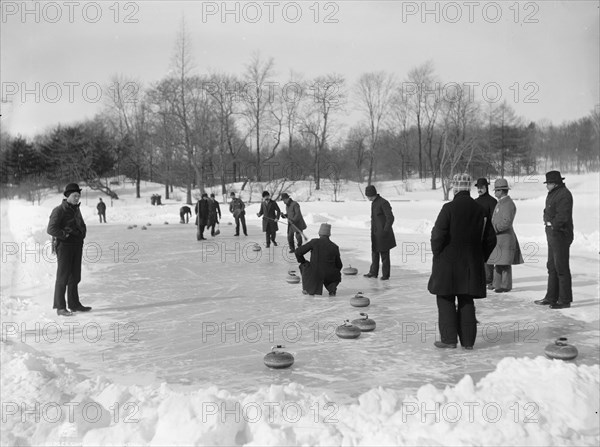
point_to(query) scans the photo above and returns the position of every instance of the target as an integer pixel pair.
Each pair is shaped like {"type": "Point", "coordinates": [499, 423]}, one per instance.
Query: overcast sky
{"type": "Point", "coordinates": [543, 56]}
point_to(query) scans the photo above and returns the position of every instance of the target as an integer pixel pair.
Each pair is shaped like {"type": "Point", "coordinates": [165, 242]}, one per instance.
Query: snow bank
{"type": "Point", "coordinates": [47, 402]}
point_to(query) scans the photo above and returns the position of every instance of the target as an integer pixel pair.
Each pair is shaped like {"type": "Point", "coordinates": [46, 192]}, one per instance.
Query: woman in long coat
{"type": "Point", "coordinates": [507, 251]}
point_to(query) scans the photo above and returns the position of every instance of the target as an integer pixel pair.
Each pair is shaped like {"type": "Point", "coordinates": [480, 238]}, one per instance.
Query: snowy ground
{"type": "Point", "coordinates": [173, 351]}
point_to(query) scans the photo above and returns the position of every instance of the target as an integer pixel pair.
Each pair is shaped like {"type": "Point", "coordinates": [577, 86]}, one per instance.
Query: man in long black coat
{"type": "Point", "coordinates": [461, 240]}
{"type": "Point", "coordinates": [558, 222]}
{"type": "Point", "coordinates": [325, 264]}
{"type": "Point", "coordinates": [270, 212]}
{"type": "Point", "coordinates": [202, 209]}
{"type": "Point", "coordinates": [68, 230]}
{"type": "Point", "coordinates": [382, 235]}
{"type": "Point", "coordinates": [489, 204]}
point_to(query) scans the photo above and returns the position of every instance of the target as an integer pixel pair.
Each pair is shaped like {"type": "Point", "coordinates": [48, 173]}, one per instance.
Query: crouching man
{"type": "Point", "coordinates": [325, 266]}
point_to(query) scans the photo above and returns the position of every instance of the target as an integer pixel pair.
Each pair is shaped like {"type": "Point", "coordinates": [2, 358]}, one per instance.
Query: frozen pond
{"type": "Point", "coordinates": [173, 309]}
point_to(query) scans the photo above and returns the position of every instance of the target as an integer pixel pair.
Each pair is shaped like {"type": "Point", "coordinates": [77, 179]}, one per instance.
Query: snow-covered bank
{"type": "Point", "coordinates": [51, 404]}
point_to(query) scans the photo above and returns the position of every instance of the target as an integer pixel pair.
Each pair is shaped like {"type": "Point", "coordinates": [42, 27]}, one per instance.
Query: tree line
{"type": "Point", "coordinates": [191, 130]}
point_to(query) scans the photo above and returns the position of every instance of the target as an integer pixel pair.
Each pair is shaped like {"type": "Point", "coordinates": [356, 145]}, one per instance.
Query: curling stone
{"type": "Point", "coordinates": [134, 226]}
{"type": "Point", "coordinates": [166, 223]}
{"type": "Point", "coordinates": [144, 228]}
{"type": "Point", "coordinates": [365, 324]}
{"type": "Point", "coordinates": [350, 271]}
{"type": "Point", "coordinates": [561, 350]}
{"type": "Point", "coordinates": [359, 300]}
{"type": "Point", "coordinates": [148, 224]}
{"type": "Point", "coordinates": [256, 247]}
{"type": "Point", "coordinates": [130, 227]}
{"type": "Point", "coordinates": [292, 278]}
{"type": "Point", "coordinates": [278, 359]}
{"type": "Point", "coordinates": [347, 330]}
{"type": "Point", "coordinates": [229, 223]}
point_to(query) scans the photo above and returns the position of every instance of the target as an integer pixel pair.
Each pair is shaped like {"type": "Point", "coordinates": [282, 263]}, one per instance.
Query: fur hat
{"type": "Point", "coordinates": [325, 230]}
{"type": "Point", "coordinates": [461, 182]}
{"type": "Point", "coordinates": [70, 188]}
{"type": "Point", "coordinates": [370, 191]}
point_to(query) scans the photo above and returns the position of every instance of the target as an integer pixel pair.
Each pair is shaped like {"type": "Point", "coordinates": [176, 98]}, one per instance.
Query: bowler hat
{"type": "Point", "coordinates": [553, 177]}
{"type": "Point", "coordinates": [482, 182]}
{"type": "Point", "coordinates": [266, 194]}
{"type": "Point", "coordinates": [285, 196]}
{"type": "Point", "coordinates": [71, 187]}
{"type": "Point", "coordinates": [370, 191]}
{"type": "Point", "coordinates": [501, 183]}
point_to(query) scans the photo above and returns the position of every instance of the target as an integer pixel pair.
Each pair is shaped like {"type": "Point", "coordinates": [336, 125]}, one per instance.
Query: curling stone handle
{"type": "Point", "coordinates": [364, 314]}
{"type": "Point", "coordinates": [277, 347]}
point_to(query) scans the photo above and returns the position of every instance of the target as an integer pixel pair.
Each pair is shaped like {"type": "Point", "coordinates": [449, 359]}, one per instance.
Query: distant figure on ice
{"type": "Point", "coordinates": [488, 203]}
{"type": "Point", "coordinates": [201, 216]}
{"type": "Point", "coordinates": [558, 222]}
{"type": "Point", "coordinates": [507, 251]}
{"type": "Point", "coordinates": [325, 264]}
{"type": "Point", "coordinates": [295, 219]}
{"type": "Point", "coordinates": [68, 230]}
{"type": "Point", "coordinates": [238, 209]}
{"type": "Point", "coordinates": [382, 235]}
{"type": "Point", "coordinates": [461, 240]}
{"type": "Point", "coordinates": [184, 214]}
{"type": "Point", "coordinates": [270, 212]}
{"type": "Point", "coordinates": [101, 207]}
{"type": "Point", "coordinates": [214, 213]}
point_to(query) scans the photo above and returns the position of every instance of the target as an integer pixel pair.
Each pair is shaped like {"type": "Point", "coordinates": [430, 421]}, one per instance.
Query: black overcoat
{"type": "Point", "coordinates": [324, 267]}
{"type": "Point", "coordinates": [382, 219]}
{"type": "Point", "coordinates": [270, 212]}
{"type": "Point", "coordinates": [461, 240]}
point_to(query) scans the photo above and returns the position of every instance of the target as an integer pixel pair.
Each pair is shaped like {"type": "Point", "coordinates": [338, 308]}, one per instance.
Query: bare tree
{"type": "Point", "coordinates": [374, 92]}
{"type": "Point", "coordinates": [328, 96]}
{"type": "Point", "coordinates": [258, 97]}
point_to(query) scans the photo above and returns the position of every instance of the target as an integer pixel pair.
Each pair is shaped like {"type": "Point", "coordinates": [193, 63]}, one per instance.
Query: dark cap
{"type": "Point", "coordinates": [285, 196]}
{"type": "Point", "coordinates": [72, 187]}
{"type": "Point", "coordinates": [553, 177]}
{"type": "Point", "coordinates": [370, 191]}
{"type": "Point", "coordinates": [482, 182]}
{"type": "Point", "coordinates": [266, 194]}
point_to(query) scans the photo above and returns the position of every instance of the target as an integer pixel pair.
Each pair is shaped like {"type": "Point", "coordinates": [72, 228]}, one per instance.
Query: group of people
{"type": "Point", "coordinates": [473, 243]}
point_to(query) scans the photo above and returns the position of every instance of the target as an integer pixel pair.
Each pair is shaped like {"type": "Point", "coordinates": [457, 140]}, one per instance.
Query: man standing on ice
{"type": "Point", "coordinates": [382, 235]}
{"type": "Point", "coordinates": [238, 209]}
{"type": "Point", "coordinates": [68, 230]}
{"type": "Point", "coordinates": [488, 203]}
{"type": "Point", "coordinates": [214, 213]}
{"type": "Point", "coordinates": [201, 216]}
{"type": "Point", "coordinates": [295, 219]}
{"type": "Point", "coordinates": [270, 212]}
{"type": "Point", "coordinates": [558, 222]}
{"type": "Point", "coordinates": [325, 264]}
{"type": "Point", "coordinates": [101, 207]}
{"type": "Point", "coordinates": [461, 240]}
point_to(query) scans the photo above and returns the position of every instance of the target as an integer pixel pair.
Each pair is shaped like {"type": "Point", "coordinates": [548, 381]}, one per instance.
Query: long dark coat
{"type": "Point", "coordinates": [488, 203]}
{"type": "Point", "coordinates": [270, 212]}
{"type": "Point", "coordinates": [294, 215]}
{"type": "Point", "coordinates": [66, 224]}
{"type": "Point", "coordinates": [382, 219]}
{"type": "Point", "coordinates": [507, 250]}
{"type": "Point", "coordinates": [559, 211]}
{"type": "Point", "coordinates": [460, 244]}
{"type": "Point", "coordinates": [202, 210]}
{"type": "Point", "coordinates": [324, 267]}
{"type": "Point", "coordinates": [214, 212]}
